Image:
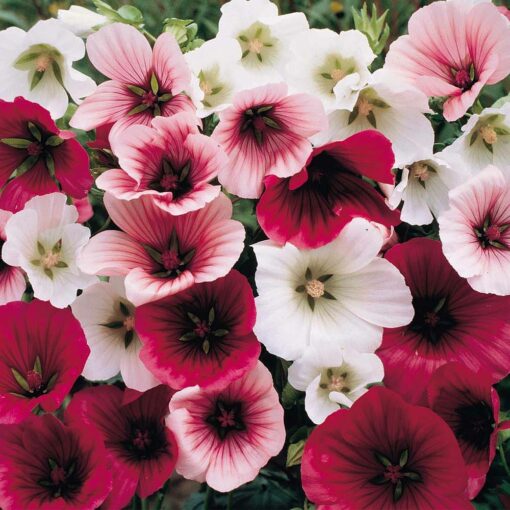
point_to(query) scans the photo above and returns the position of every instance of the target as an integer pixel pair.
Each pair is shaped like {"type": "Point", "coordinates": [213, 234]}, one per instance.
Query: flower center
{"type": "Point", "coordinates": [314, 288]}
{"type": "Point", "coordinates": [475, 424]}
{"type": "Point", "coordinates": [169, 182]}
{"type": "Point", "coordinates": [337, 74]}
{"type": "Point", "coordinates": [50, 259]}
{"type": "Point", "coordinates": [171, 260]}
{"type": "Point", "coordinates": [255, 45]}
{"type": "Point", "coordinates": [129, 323]}
{"type": "Point", "coordinates": [420, 171]}
{"type": "Point", "coordinates": [43, 62]}
{"type": "Point", "coordinates": [226, 417]}
{"type": "Point", "coordinates": [432, 319]}
{"type": "Point", "coordinates": [141, 439]}
{"type": "Point", "coordinates": [393, 473]}
{"type": "Point", "coordinates": [35, 149]}
{"type": "Point", "coordinates": [202, 329]}
{"type": "Point", "coordinates": [492, 235]}
{"type": "Point", "coordinates": [34, 381]}
{"type": "Point", "coordinates": [150, 97]}
{"type": "Point", "coordinates": [364, 106]}
{"type": "Point", "coordinates": [206, 88]}
{"type": "Point", "coordinates": [260, 121]}
{"type": "Point", "coordinates": [488, 134]}
{"type": "Point", "coordinates": [58, 475]}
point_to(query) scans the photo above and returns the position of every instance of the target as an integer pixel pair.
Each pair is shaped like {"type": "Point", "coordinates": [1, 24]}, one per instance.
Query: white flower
{"type": "Point", "coordinates": [424, 187]}
{"type": "Point", "coordinates": [485, 140]}
{"type": "Point", "coordinates": [80, 21]}
{"type": "Point", "coordinates": [341, 290]}
{"type": "Point", "coordinates": [38, 66]}
{"type": "Point", "coordinates": [217, 75]}
{"type": "Point", "coordinates": [262, 36]}
{"type": "Point", "coordinates": [108, 320]}
{"type": "Point", "coordinates": [394, 108]}
{"type": "Point", "coordinates": [331, 66]}
{"type": "Point", "coordinates": [45, 241]}
{"type": "Point", "coordinates": [333, 377]}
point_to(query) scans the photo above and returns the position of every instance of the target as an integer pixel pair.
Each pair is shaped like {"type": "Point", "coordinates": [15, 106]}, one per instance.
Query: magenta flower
{"type": "Point", "coordinates": [161, 254]}
{"type": "Point", "coordinates": [453, 49]}
{"type": "Point", "coordinates": [144, 82]}
{"type": "Point", "coordinates": [171, 162]}
{"type": "Point", "coordinates": [265, 132]}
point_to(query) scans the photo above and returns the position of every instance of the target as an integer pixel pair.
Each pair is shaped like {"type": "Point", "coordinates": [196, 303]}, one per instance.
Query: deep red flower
{"type": "Point", "coordinates": [469, 404]}
{"type": "Point", "coordinates": [452, 322]}
{"type": "Point", "coordinates": [46, 465]}
{"type": "Point", "coordinates": [310, 208]}
{"type": "Point", "coordinates": [203, 335]}
{"type": "Point", "coordinates": [143, 450]}
{"type": "Point", "coordinates": [39, 157]}
{"type": "Point", "coordinates": [383, 454]}
{"type": "Point", "coordinates": [42, 353]}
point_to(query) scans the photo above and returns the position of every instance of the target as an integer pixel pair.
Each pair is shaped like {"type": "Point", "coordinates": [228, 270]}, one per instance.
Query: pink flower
{"type": "Point", "coordinates": [171, 162]}
{"type": "Point", "coordinates": [453, 49]}
{"type": "Point", "coordinates": [203, 335]}
{"type": "Point", "coordinates": [475, 231]}
{"type": "Point", "coordinates": [161, 254]}
{"type": "Point", "coordinates": [451, 322]}
{"type": "Point", "coordinates": [142, 449]}
{"type": "Point", "coordinates": [225, 437]}
{"type": "Point", "coordinates": [42, 353]}
{"type": "Point", "coordinates": [505, 11]}
{"type": "Point", "coordinates": [46, 465]}
{"type": "Point", "coordinates": [42, 155]}
{"type": "Point", "coordinates": [312, 207]}
{"type": "Point", "coordinates": [144, 82]}
{"type": "Point", "coordinates": [12, 279]}
{"type": "Point", "coordinates": [265, 132]}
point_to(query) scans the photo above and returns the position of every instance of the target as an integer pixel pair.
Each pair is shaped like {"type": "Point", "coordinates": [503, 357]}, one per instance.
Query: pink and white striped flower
{"type": "Point", "coordinates": [225, 437]}
{"type": "Point", "coordinates": [453, 49]}
{"type": "Point", "coordinates": [161, 254]}
{"type": "Point", "coordinates": [170, 162]}
{"type": "Point", "coordinates": [475, 231]}
{"type": "Point", "coordinates": [12, 279]}
{"type": "Point", "coordinates": [144, 82]}
{"type": "Point", "coordinates": [265, 132]}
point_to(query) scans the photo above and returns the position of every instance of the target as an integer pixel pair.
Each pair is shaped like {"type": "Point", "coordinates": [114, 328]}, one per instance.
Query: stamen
{"type": "Point", "coordinates": [364, 106]}
{"type": "Point", "coordinates": [42, 62]}
{"type": "Point", "coordinates": [489, 135]}
{"type": "Point", "coordinates": [314, 288]}
{"type": "Point", "coordinates": [420, 171]}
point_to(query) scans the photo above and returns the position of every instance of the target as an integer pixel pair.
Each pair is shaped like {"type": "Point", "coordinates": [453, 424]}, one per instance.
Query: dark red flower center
{"type": "Point", "coordinates": [432, 318]}
{"type": "Point", "coordinates": [62, 479]}
{"type": "Point", "coordinates": [475, 424]}
{"type": "Point", "coordinates": [146, 439]}
{"type": "Point", "coordinates": [35, 149]}
{"type": "Point", "coordinates": [491, 234]}
{"type": "Point", "coordinates": [150, 97]}
{"type": "Point", "coordinates": [260, 121]}
{"type": "Point", "coordinates": [173, 179]}
{"type": "Point", "coordinates": [227, 417]}
{"type": "Point", "coordinates": [58, 475]}
{"type": "Point", "coordinates": [142, 439]}
{"type": "Point", "coordinates": [464, 78]}
{"type": "Point", "coordinates": [171, 260]}
{"type": "Point", "coordinates": [34, 380]}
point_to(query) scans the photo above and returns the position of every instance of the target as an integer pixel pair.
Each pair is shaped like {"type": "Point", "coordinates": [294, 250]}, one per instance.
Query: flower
{"type": "Point", "coordinates": [12, 279]}
{"type": "Point", "coordinates": [226, 436]}
{"type": "Point", "coordinates": [80, 21]}
{"type": "Point", "coordinates": [341, 291]}
{"type": "Point", "coordinates": [473, 50]}
{"type": "Point", "coordinates": [475, 234]}
{"type": "Point", "coordinates": [170, 162]}
{"type": "Point", "coordinates": [423, 187]}
{"type": "Point", "coordinates": [469, 404]}
{"type": "Point", "coordinates": [202, 335]}
{"type": "Point", "coordinates": [160, 254]}
{"type": "Point", "coordinates": [265, 132]}
{"type": "Point", "coordinates": [36, 152]}
{"type": "Point", "coordinates": [42, 353]}
{"type": "Point", "coordinates": [394, 108]}
{"type": "Point", "coordinates": [262, 35]}
{"type": "Point", "coordinates": [109, 322]}
{"type": "Point", "coordinates": [331, 66]}
{"type": "Point", "coordinates": [312, 207]}
{"type": "Point", "coordinates": [485, 140]}
{"type": "Point", "coordinates": [45, 241]}
{"type": "Point", "coordinates": [38, 66]}
{"type": "Point", "coordinates": [383, 453]}
{"type": "Point", "coordinates": [48, 465]}
{"type": "Point", "coordinates": [143, 451]}
{"type": "Point", "coordinates": [332, 376]}
{"type": "Point", "coordinates": [144, 82]}
{"type": "Point", "coordinates": [216, 75]}
{"type": "Point", "coordinates": [451, 322]}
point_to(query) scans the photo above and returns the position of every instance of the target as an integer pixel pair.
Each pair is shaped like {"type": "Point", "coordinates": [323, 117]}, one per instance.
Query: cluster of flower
{"type": "Point", "coordinates": [292, 117]}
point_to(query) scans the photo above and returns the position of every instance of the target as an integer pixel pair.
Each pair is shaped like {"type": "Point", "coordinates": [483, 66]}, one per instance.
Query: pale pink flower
{"type": "Point", "coordinates": [265, 132]}
{"type": "Point", "coordinates": [453, 49]}
{"type": "Point", "coordinates": [225, 437]}
{"type": "Point", "coordinates": [161, 254]}
{"type": "Point", "coordinates": [12, 279]}
{"type": "Point", "coordinates": [171, 162]}
{"type": "Point", "coordinates": [144, 82]}
{"type": "Point", "coordinates": [475, 231]}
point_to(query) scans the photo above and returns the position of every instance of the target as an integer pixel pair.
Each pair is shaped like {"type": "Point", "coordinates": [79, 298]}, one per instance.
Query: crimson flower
{"type": "Point", "coordinates": [143, 451]}
{"type": "Point", "coordinates": [310, 208]}
{"type": "Point", "coordinates": [42, 353]}
{"type": "Point", "coordinates": [203, 335]}
{"type": "Point", "coordinates": [46, 465]}
{"type": "Point", "coordinates": [39, 157]}
{"type": "Point", "coordinates": [383, 453]}
{"type": "Point", "coordinates": [452, 322]}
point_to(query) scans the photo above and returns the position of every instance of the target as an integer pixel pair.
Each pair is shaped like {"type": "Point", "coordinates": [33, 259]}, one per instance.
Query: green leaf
{"type": "Point", "coordinates": [131, 14]}
{"type": "Point", "coordinates": [221, 332]}
{"type": "Point", "coordinates": [382, 459]}
{"type": "Point", "coordinates": [50, 163]}
{"type": "Point", "coordinates": [138, 109]}
{"type": "Point", "coordinates": [36, 78]}
{"type": "Point", "coordinates": [404, 457]}
{"type": "Point", "coordinates": [113, 324]}
{"type": "Point", "coordinates": [137, 90]}
{"type": "Point", "coordinates": [35, 131]}
{"type": "Point", "coordinates": [155, 254]}
{"type": "Point", "coordinates": [128, 338]}
{"type": "Point", "coordinates": [51, 383]}
{"type": "Point", "coordinates": [40, 248]}
{"type": "Point", "coordinates": [353, 115]}
{"type": "Point", "coordinates": [165, 97]}
{"type": "Point", "coordinates": [371, 119]}
{"type": "Point", "coordinates": [16, 143]}
{"type": "Point", "coordinates": [26, 58]}
{"type": "Point", "coordinates": [295, 453]}
{"type": "Point", "coordinates": [57, 72]}
{"type": "Point", "coordinates": [37, 365]}
{"type": "Point", "coordinates": [54, 141]}
{"type": "Point", "coordinates": [289, 396]}
{"type": "Point", "coordinates": [206, 346]}
{"type": "Point", "coordinates": [154, 84]}
{"type": "Point", "coordinates": [22, 382]}
{"type": "Point", "coordinates": [124, 310]}
{"type": "Point", "coordinates": [308, 274]}
{"type": "Point", "coordinates": [191, 335]}
{"type": "Point", "coordinates": [268, 121]}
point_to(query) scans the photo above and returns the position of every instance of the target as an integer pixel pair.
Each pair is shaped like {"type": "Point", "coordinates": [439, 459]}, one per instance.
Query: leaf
{"type": "Point", "coordinates": [36, 78]}
{"type": "Point", "coordinates": [35, 131]}
{"type": "Point", "coordinates": [37, 365]}
{"type": "Point", "coordinates": [404, 457]}
{"type": "Point", "coordinates": [324, 277]}
{"type": "Point", "coordinates": [371, 119]}
{"type": "Point", "coordinates": [50, 163]}
{"type": "Point", "coordinates": [327, 295]}
{"type": "Point", "coordinates": [54, 141]}
{"type": "Point", "coordinates": [138, 109]}
{"type": "Point", "coordinates": [206, 346]}
{"type": "Point", "coordinates": [191, 335]}
{"type": "Point", "coordinates": [154, 84]}
{"type": "Point", "coordinates": [221, 332]}
{"type": "Point", "coordinates": [353, 115]}
{"type": "Point", "coordinates": [193, 318]}
{"type": "Point", "coordinates": [40, 248]}
{"type": "Point", "coordinates": [295, 453]}
{"type": "Point", "coordinates": [289, 396]}
{"type": "Point", "coordinates": [155, 254]}
{"type": "Point", "coordinates": [128, 338]}
{"type": "Point", "coordinates": [22, 382]}
{"type": "Point", "coordinates": [113, 324]}
{"type": "Point", "coordinates": [137, 90]}
{"type": "Point", "coordinates": [17, 143]}
{"type": "Point", "coordinates": [124, 310]}
{"type": "Point", "coordinates": [57, 72]}
{"type": "Point", "coordinates": [382, 459]}
{"type": "Point", "coordinates": [165, 97]}
{"type": "Point", "coordinates": [308, 274]}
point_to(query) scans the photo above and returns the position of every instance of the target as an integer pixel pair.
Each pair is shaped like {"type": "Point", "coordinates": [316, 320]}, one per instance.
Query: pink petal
{"type": "Point", "coordinates": [118, 183]}
{"type": "Point", "coordinates": [122, 53]}
{"type": "Point", "coordinates": [12, 284]}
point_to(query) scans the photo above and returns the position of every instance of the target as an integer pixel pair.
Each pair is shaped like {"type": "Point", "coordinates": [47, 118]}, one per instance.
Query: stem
{"type": "Point", "coordinates": [502, 455]}
{"type": "Point", "coordinates": [208, 498]}
{"type": "Point", "coordinates": [149, 36]}
{"type": "Point", "coordinates": [229, 500]}
{"type": "Point", "coordinates": [105, 225]}
{"type": "Point", "coordinates": [145, 504]}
